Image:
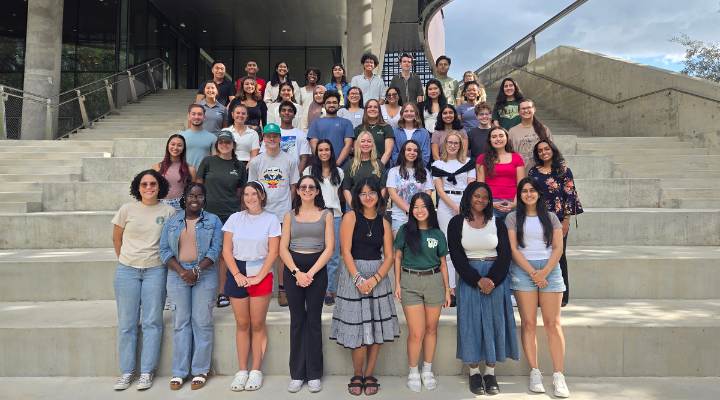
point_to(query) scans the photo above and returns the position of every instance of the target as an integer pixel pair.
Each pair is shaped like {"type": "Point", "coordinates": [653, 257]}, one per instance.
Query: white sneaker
{"type": "Point", "coordinates": [295, 386]}
{"type": "Point", "coordinates": [561, 389]}
{"type": "Point", "coordinates": [145, 381]}
{"type": "Point", "coordinates": [314, 385]}
{"type": "Point", "coordinates": [512, 298]}
{"type": "Point", "coordinates": [536, 384]}
{"type": "Point", "coordinates": [124, 381]}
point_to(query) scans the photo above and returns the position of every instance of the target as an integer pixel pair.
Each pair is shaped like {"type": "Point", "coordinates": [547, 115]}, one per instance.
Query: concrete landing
{"type": "Point", "coordinates": [449, 388]}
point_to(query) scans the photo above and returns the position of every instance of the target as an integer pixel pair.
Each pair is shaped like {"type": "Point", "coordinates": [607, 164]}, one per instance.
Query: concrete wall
{"type": "Point", "coordinates": [668, 113]}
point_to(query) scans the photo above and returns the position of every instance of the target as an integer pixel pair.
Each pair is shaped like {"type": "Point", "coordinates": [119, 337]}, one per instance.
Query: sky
{"type": "Point", "coordinates": [635, 30]}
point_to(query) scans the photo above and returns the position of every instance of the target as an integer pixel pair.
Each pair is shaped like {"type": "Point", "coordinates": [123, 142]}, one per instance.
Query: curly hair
{"type": "Point", "coordinates": [319, 200]}
{"type": "Point", "coordinates": [466, 201]}
{"type": "Point", "coordinates": [242, 96]}
{"type": "Point", "coordinates": [163, 184]}
{"type": "Point", "coordinates": [317, 72]}
{"type": "Point", "coordinates": [491, 156]}
{"type": "Point", "coordinates": [369, 56]}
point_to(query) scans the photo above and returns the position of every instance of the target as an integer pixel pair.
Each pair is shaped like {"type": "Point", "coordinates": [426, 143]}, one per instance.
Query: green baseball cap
{"type": "Point", "coordinates": [227, 135]}
{"type": "Point", "coordinates": [271, 128]}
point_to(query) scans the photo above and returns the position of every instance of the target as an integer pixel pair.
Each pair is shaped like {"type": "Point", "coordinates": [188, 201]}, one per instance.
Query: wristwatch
{"type": "Point", "coordinates": [295, 271]}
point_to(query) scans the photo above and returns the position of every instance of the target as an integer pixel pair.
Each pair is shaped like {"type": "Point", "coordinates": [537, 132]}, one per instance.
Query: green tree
{"type": "Point", "coordinates": [702, 60]}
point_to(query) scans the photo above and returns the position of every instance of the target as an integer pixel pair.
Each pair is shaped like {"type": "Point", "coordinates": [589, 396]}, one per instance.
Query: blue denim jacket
{"type": "Point", "coordinates": [208, 235]}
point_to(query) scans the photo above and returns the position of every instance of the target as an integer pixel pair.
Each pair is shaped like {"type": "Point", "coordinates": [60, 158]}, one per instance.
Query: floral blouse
{"type": "Point", "coordinates": [560, 194]}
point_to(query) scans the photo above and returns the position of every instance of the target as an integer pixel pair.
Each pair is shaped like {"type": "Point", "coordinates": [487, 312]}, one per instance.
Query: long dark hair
{"type": "Point", "coordinates": [361, 103]}
{"type": "Point", "coordinates": [286, 83]}
{"type": "Point", "coordinates": [374, 186]}
{"type": "Point", "coordinates": [419, 171]}
{"type": "Point", "coordinates": [316, 168]}
{"type": "Point", "coordinates": [540, 129]}
{"type": "Point", "coordinates": [440, 124]}
{"type": "Point", "coordinates": [491, 156]}
{"type": "Point", "coordinates": [186, 190]}
{"type": "Point", "coordinates": [165, 164]}
{"type": "Point", "coordinates": [466, 200]}
{"type": "Point", "coordinates": [542, 212]}
{"type": "Point", "coordinates": [275, 79]}
{"type": "Point", "coordinates": [319, 201]}
{"type": "Point", "coordinates": [397, 90]}
{"type": "Point", "coordinates": [411, 229]}
{"type": "Point", "coordinates": [343, 80]}
{"type": "Point", "coordinates": [501, 100]}
{"type": "Point", "coordinates": [442, 100]}
{"type": "Point", "coordinates": [558, 161]}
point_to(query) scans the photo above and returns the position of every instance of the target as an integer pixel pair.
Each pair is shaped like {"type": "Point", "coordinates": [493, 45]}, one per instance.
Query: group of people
{"type": "Point", "coordinates": [222, 209]}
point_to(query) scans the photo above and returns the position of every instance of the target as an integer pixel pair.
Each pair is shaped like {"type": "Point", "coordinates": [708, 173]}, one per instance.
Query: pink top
{"type": "Point", "coordinates": [173, 176]}
{"type": "Point", "coordinates": [503, 182]}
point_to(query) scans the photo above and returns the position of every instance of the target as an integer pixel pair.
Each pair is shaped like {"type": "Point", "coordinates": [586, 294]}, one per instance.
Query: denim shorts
{"type": "Point", "coordinates": [520, 279]}
{"type": "Point", "coordinates": [396, 224]}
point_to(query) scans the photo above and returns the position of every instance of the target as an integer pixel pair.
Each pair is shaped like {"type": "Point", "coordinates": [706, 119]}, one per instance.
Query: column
{"type": "Point", "coordinates": [359, 34]}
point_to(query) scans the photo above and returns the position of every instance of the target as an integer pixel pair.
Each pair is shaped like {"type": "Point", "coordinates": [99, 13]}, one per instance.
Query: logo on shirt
{"type": "Point", "coordinates": [272, 177]}
{"type": "Point", "coordinates": [288, 144]}
{"type": "Point", "coordinates": [160, 220]}
{"type": "Point", "coordinates": [233, 172]}
{"type": "Point", "coordinates": [432, 243]}
{"type": "Point", "coordinates": [509, 112]}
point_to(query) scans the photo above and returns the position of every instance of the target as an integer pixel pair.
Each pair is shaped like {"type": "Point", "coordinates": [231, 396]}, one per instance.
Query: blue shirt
{"type": "Point", "coordinates": [420, 135]}
{"type": "Point", "coordinates": [371, 89]}
{"type": "Point", "coordinates": [335, 129]}
{"type": "Point", "coordinates": [208, 237]}
{"type": "Point", "coordinates": [467, 115]}
{"type": "Point", "coordinates": [199, 145]}
{"type": "Point", "coordinates": [345, 88]}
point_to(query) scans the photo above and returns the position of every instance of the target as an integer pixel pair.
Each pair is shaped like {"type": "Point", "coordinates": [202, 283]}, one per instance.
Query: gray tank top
{"type": "Point", "coordinates": [307, 236]}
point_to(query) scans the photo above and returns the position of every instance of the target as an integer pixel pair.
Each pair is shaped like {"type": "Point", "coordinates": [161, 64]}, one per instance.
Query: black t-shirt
{"type": "Point", "coordinates": [257, 116]}
{"type": "Point", "coordinates": [476, 141]}
{"type": "Point", "coordinates": [225, 90]}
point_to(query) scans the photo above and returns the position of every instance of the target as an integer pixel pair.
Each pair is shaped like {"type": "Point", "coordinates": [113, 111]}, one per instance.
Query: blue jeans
{"type": "Point", "coordinates": [501, 214]}
{"type": "Point", "coordinates": [334, 263]}
{"type": "Point", "coordinates": [192, 308]}
{"type": "Point", "coordinates": [135, 287]}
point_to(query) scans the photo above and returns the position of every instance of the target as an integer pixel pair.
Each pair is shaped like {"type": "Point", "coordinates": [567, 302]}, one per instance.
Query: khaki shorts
{"type": "Point", "coordinates": [422, 289]}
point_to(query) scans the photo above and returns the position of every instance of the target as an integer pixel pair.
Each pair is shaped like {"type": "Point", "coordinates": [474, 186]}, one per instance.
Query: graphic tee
{"type": "Point", "coordinates": [276, 175]}
{"type": "Point", "coordinates": [294, 142]}
{"type": "Point", "coordinates": [433, 246]}
{"type": "Point", "coordinates": [406, 189]}
{"type": "Point", "coordinates": [450, 87]}
{"type": "Point", "coordinates": [509, 116]}
{"type": "Point", "coordinates": [143, 227]}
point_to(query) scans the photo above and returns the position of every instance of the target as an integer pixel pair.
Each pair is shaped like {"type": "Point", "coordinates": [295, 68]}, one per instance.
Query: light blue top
{"type": "Point", "coordinates": [345, 88]}
{"type": "Point", "coordinates": [199, 145]}
{"type": "Point", "coordinates": [371, 89]}
{"type": "Point", "coordinates": [208, 236]}
{"type": "Point", "coordinates": [467, 115]}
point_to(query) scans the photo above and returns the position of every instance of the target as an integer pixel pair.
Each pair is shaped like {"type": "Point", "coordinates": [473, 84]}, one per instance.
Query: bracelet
{"type": "Point", "coordinates": [447, 289]}
{"type": "Point", "coordinates": [236, 273]}
{"type": "Point", "coordinates": [198, 271]}
{"type": "Point", "coordinates": [355, 278]}
{"type": "Point", "coordinates": [377, 282]}
{"type": "Point", "coordinates": [361, 282]}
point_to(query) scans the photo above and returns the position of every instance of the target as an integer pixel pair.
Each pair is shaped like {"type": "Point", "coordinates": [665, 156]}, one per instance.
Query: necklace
{"type": "Point", "coordinates": [370, 226]}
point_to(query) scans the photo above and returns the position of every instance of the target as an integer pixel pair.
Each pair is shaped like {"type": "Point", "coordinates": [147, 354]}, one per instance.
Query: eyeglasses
{"type": "Point", "coordinates": [453, 143]}
{"type": "Point", "coordinates": [392, 95]}
{"type": "Point", "coordinates": [526, 108]}
{"type": "Point", "coordinates": [363, 196]}
{"type": "Point", "coordinates": [307, 187]}
{"type": "Point", "coordinates": [149, 184]}
{"type": "Point", "coordinates": [484, 114]}
{"type": "Point", "coordinates": [192, 197]}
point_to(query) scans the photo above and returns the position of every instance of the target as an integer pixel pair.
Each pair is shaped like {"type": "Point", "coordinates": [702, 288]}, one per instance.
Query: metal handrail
{"type": "Point", "coordinates": [122, 74]}
{"type": "Point", "coordinates": [531, 35]}
{"type": "Point", "coordinates": [605, 99]}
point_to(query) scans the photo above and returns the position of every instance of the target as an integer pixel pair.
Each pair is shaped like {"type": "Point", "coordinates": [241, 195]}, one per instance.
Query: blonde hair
{"type": "Point", "coordinates": [358, 155]}
{"type": "Point", "coordinates": [461, 155]}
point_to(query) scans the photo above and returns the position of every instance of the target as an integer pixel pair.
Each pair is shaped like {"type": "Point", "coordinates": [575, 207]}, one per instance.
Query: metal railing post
{"type": "Point", "coordinates": [110, 97]}
{"type": "Point", "coordinates": [132, 86]}
{"type": "Point", "coordinates": [150, 74]}
{"type": "Point", "coordinates": [165, 76]}
{"type": "Point", "coordinates": [3, 124]}
{"type": "Point", "coordinates": [49, 120]}
{"type": "Point", "coordinates": [83, 111]}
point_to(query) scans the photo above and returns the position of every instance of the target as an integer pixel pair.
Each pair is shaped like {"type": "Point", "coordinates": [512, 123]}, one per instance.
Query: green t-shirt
{"type": "Point", "coordinates": [379, 134]}
{"type": "Point", "coordinates": [222, 180]}
{"type": "Point", "coordinates": [433, 245]}
{"type": "Point", "coordinates": [365, 170]}
{"type": "Point", "coordinates": [450, 88]}
{"type": "Point", "coordinates": [509, 116]}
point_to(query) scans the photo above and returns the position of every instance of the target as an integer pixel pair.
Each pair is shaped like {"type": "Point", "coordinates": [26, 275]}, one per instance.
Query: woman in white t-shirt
{"type": "Point", "coordinates": [391, 109]}
{"type": "Point", "coordinates": [536, 240]}
{"type": "Point", "coordinates": [451, 174]}
{"type": "Point", "coordinates": [407, 178]}
{"type": "Point", "coordinates": [330, 177]}
{"type": "Point", "coordinates": [251, 241]}
{"type": "Point", "coordinates": [141, 276]}
{"type": "Point", "coordinates": [246, 139]}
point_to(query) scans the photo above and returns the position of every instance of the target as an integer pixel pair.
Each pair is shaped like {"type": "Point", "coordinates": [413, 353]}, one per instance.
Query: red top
{"type": "Point", "coordinates": [503, 181]}
{"type": "Point", "coordinates": [261, 86]}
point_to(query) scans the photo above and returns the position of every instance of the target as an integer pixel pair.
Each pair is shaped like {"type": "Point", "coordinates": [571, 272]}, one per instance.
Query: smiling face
{"type": "Point", "coordinates": [411, 152]}
{"type": "Point", "coordinates": [369, 65]}
{"type": "Point", "coordinates": [323, 152]}
{"type": "Point", "coordinates": [433, 91]}
{"type": "Point", "coordinates": [527, 110]}
{"type": "Point", "coordinates": [194, 200]}
{"type": "Point", "coordinates": [448, 116]}
{"type": "Point", "coordinates": [240, 115]}
{"type": "Point", "coordinates": [225, 146]}
{"type": "Point", "coordinates": [480, 200]}
{"type": "Point", "coordinates": [528, 194]}
{"type": "Point", "coordinates": [307, 190]}
{"type": "Point", "coordinates": [468, 77]}
{"type": "Point", "coordinates": [392, 97]}
{"type": "Point", "coordinates": [210, 91]}
{"type": "Point", "coordinates": [282, 69]}
{"type": "Point", "coordinates": [409, 115]}
{"type": "Point", "coordinates": [354, 96]}
{"type": "Point", "coordinates": [251, 68]}
{"type": "Point", "coordinates": [498, 139]}
{"type": "Point", "coordinates": [484, 117]}
{"type": "Point", "coordinates": [452, 144]}
{"type": "Point", "coordinates": [312, 77]}
{"type": "Point", "coordinates": [373, 109]}
{"type": "Point", "coordinates": [218, 71]}
{"type": "Point", "coordinates": [368, 197]}
{"type": "Point", "coordinates": [272, 140]}
{"type": "Point", "coordinates": [406, 63]}
{"type": "Point", "coordinates": [252, 198]}
{"type": "Point", "coordinates": [149, 188]}
{"type": "Point", "coordinates": [509, 88]}
{"type": "Point", "coordinates": [286, 93]}
{"type": "Point", "coordinates": [420, 211]}
{"type": "Point", "coordinates": [249, 86]}
{"type": "Point", "coordinates": [196, 116]}
{"type": "Point", "coordinates": [318, 94]}
{"type": "Point", "coordinates": [176, 146]}
{"type": "Point", "coordinates": [471, 92]}
{"type": "Point", "coordinates": [286, 114]}
{"type": "Point", "coordinates": [366, 143]}
{"type": "Point", "coordinates": [545, 153]}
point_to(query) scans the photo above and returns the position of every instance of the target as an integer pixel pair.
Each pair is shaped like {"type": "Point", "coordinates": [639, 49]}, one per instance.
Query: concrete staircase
{"type": "Point", "coordinates": [644, 299]}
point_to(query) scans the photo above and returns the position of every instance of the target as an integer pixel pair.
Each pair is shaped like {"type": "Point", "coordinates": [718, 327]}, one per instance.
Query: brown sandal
{"type": "Point", "coordinates": [176, 383]}
{"type": "Point", "coordinates": [198, 382]}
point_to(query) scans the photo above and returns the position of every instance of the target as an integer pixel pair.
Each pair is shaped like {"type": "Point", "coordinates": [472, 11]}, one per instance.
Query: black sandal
{"type": "Point", "coordinates": [373, 384]}
{"type": "Point", "coordinates": [223, 300]}
{"type": "Point", "coordinates": [353, 385]}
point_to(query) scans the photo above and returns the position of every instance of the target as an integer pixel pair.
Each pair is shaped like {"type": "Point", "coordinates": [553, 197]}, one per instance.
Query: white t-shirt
{"type": "Point", "coordinates": [533, 235]}
{"type": "Point", "coordinates": [294, 142]}
{"type": "Point", "coordinates": [273, 114]}
{"type": "Point", "coordinates": [406, 189]}
{"type": "Point", "coordinates": [452, 166]}
{"type": "Point", "coordinates": [409, 132]}
{"type": "Point", "coordinates": [430, 121]}
{"type": "Point", "coordinates": [250, 237]}
{"type": "Point", "coordinates": [330, 192]}
{"type": "Point", "coordinates": [480, 243]}
{"type": "Point", "coordinates": [245, 143]}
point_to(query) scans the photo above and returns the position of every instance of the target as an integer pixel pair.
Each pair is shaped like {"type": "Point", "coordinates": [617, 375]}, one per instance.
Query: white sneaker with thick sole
{"type": "Point", "coordinates": [561, 389]}
{"type": "Point", "coordinates": [145, 381]}
{"type": "Point", "coordinates": [536, 384]}
{"type": "Point", "coordinates": [295, 386]}
{"type": "Point", "coordinates": [124, 381]}
{"type": "Point", "coordinates": [314, 385]}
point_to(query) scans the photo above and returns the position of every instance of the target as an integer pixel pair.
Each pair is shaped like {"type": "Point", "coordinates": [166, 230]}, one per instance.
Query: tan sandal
{"type": "Point", "coordinates": [198, 382]}
{"type": "Point", "coordinates": [176, 383]}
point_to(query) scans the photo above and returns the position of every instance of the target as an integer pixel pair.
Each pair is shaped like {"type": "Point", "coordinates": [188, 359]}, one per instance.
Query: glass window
{"type": "Point", "coordinates": [261, 56]}
{"type": "Point", "coordinates": [324, 59]}
{"type": "Point", "coordinates": [295, 59]}
{"type": "Point", "coordinates": [13, 27]}
{"type": "Point", "coordinates": [137, 32]}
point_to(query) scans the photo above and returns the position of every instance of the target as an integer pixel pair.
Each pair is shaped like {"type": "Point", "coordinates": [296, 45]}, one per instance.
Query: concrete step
{"type": "Point", "coordinates": [135, 116]}
{"type": "Point", "coordinates": [20, 207]}
{"type": "Point", "coordinates": [22, 186]}
{"type": "Point", "coordinates": [668, 166]}
{"type": "Point", "coordinates": [705, 193]}
{"type": "Point", "coordinates": [667, 159]}
{"type": "Point", "coordinates": [28, 162]}
{"type": "Point", "coordinates": [646, 146]}
{"type": "Point", "coordinates": [701, 204]}
{"type": "Point", "coordinates": [20, 196]}
{"type": "Point", "coordinates": [39, 169]}
{"type": "Point", "coordinates": [649, 272]}
{"type": "Point", "coordinates": [46, 157]}
{"type": "Point", "coordinates": [57, 230]}
{"type": "Point", "coordinates": [115, 168]}
{"type": "Point", "coordinates": [629, 139]}
{"type": "Point", "coordinates": [697, 174]}
{"type": "Point", "coordinates": [85, 196]}
{"type": "Point", "coordinates": [159, 122]}
{"type": "Point", "coordinates": [39, 177]}
{"type": "Point", "coordinates": [689, 183]}
{"type": "Point", "coordinates": [629, 332]}
{"type": "Point", "coordinates": [621, 193]}
{"type": "Point", "coordinates": [636, 152]}
{"type": "Point", "coordinates": [133, 128]}
{"type": "Point", "coordinates": [48, 147]}
{"type": "Point", "coordinates": [55, 143]}
{"type": "Point", "coordinates": [140, 147]}
{"type": "Point", "coordinates": [335, 386]}
{"type": "Point", "coordinates": [112, 134]}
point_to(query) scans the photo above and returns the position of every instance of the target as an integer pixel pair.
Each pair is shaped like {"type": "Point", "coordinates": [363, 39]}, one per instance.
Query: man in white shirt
{"type": "Point", "coordinates": [294, 141]}
{"type": "Point", "coordinates": [372, 86]}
